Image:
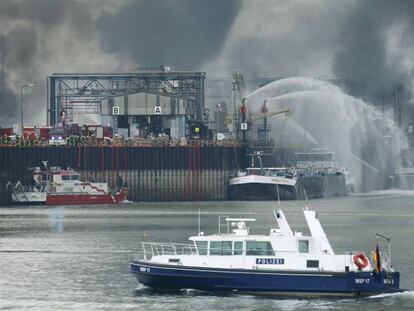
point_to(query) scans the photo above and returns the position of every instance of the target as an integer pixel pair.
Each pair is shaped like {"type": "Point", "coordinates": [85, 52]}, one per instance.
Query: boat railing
{"type": "Point", "coordinates": [33, 189]}
{"type": "Point", "coordinates": [150, 249]}
{"type": "Point", "coordinates": [384, 259]}
{"type": "Point", "coordinates": [20, 188]}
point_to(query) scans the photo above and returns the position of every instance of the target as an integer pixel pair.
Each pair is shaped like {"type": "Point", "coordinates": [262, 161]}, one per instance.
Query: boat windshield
{"type": "Point", "coordinates": [326, 156]}
{"type": "Point", "coordinates": [229, 248]}
{"type": "Point", "coordinates": [202, 247]}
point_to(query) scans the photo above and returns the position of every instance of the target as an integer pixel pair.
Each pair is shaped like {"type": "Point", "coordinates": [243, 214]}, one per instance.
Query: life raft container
{"type": "Point", "coordinates": [360, 260]}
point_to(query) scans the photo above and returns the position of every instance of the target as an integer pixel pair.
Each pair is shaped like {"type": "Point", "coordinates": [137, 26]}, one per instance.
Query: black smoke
{"type": "Point", "coordinates": [9, 106]}
{"type": "Point", "coordinates": [19, 46]}
{"type": "Point", "coordinates": [27, 31]}
{"type": "Point", "coordinates": [48, 13]}
{"type": "Point", "coordinates": [180, 33]}
{"type": "Point", "coordinates": [45, 36]}
{"type": "Point", "coordinates": [363, 54]}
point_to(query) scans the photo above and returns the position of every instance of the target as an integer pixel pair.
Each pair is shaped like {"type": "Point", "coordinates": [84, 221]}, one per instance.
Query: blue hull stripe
{"type": "Point", "coordinates": [275, 281]}
{"type": "Point", "coordinates": [237, 271]}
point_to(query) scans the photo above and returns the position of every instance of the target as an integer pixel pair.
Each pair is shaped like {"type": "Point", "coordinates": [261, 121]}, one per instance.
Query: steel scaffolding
{"type": "Point", "coordinates": [83, 93]}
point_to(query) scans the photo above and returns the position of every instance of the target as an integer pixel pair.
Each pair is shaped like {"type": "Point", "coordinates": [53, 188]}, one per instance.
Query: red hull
{"type": "Point", "coordinates": [71, 199]}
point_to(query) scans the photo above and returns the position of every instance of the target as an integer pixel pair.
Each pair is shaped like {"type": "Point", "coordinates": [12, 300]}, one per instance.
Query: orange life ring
{"type": "Point", "coordinates": [360, 260]}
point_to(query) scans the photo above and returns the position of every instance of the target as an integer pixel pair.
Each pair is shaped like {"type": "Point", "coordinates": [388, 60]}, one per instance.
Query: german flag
{"type": "Point", "coordinates": [377, 259]}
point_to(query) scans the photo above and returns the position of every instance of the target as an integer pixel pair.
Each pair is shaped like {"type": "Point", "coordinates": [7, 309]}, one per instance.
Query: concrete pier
{"type": "Point", "coordinates": [164, 173]}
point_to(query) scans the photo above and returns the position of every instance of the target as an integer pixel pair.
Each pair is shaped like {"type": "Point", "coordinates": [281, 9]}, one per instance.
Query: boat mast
{"type": "Point", "coordinates": [317, 231]}
{"type": "Point", "coordinates": [199, 222]}
{"type": "Point", "coordinates": [283, 224]}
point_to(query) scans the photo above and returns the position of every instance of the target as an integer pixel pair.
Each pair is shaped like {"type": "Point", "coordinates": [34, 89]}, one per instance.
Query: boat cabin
{"type": "Point", "coordinates": [240, 243]}
{"type": "Point", "coordinates": [66, 177]}
{"type": "Point", "coordinates": [237, 248]}
{"type": "Point", "coordinates": [315, 160]}
{"type": "Point", "coordinates": [270, 171]}
{"type": "Point", "coordinates": [56, 180]}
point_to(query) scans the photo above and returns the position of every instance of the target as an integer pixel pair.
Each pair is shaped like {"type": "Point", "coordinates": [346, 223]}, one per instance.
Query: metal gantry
{"type": "Point", "coordinates": [74, 92]}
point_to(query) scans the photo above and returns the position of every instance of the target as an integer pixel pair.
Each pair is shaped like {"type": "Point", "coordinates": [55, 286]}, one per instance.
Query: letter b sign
{"type": "Point", "coordinates": [115, 110]}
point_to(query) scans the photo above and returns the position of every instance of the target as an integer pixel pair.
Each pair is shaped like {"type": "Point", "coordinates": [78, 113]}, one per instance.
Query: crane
{"type": "Point", "coordinates": [265, 114]}
{"type": "Point", "coordinates": [238, 90]}
{"type": "Point", "coordinates": [258, 116]}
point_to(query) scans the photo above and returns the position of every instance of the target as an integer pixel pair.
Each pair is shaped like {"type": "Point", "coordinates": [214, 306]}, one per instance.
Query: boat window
{"type": "Point", "coordinates": [202, 247]}
{"type": "Point", "coordinates": [238, 248]}
{"type": "Point", "coordinates": [226, 248]}
{"type": "Point", "coordinates": [312, 264]}
{"type": "Point", "coordinates": [65, 177]}
{"type": "Point", "coordinates": [303, 246]}
{"type": "Point", "coordinates": [259, 248]}
{"type": "Point", "coordinates": [75, 177]}
{"type": "Point", "coordinates": [215, 248]}
{"type": "Point", "coordinates": [222, 248]}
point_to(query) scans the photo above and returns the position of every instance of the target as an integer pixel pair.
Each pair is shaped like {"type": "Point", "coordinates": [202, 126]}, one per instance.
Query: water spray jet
{"type": "Point", "coordinates": [347, 126]}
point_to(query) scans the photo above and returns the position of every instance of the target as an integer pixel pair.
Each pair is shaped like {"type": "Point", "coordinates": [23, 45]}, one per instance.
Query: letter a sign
{"type": "Point", "coordinates": [157, 110]}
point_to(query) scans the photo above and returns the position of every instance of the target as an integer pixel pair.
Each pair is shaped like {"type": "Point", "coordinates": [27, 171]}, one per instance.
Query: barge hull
{"type": "Point", "coordinates": [259, 191]}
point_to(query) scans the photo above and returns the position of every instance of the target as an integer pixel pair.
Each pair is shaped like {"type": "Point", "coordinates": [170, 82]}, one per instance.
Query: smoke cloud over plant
{"type": "Point", "coordinates": [368, 41]}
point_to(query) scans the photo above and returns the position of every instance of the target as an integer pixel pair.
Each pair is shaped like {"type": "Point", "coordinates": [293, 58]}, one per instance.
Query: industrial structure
{"type": "Point", "coordinates": [154, 132]}
{"type": "Point", "coordinates": [150, 99]}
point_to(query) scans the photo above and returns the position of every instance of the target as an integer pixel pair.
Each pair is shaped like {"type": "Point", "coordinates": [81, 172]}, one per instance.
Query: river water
{"type": "Point", "coordinates": [76, 257]}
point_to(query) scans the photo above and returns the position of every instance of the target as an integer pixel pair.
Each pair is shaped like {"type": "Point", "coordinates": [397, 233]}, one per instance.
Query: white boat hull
{"type": "Point", "coordinates": [29, 197]}
{"type": "Point", "coordinates": [256, 187]}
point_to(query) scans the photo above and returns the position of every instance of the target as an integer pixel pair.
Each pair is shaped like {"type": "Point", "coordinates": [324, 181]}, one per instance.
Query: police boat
{"type": "Point", "coordinates": [281, 263]}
